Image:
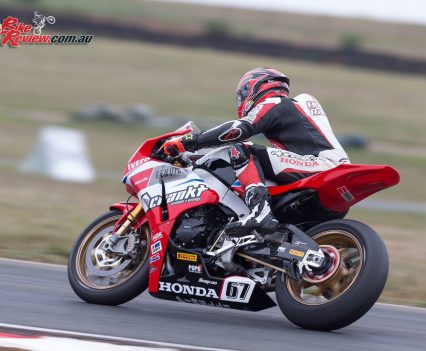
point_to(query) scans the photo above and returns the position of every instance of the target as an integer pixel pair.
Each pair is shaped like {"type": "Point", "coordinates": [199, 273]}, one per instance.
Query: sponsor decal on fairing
{"type": "Point", "coordinates": [152, 269]}
{"type": "Point", "coordinates": [206, 281]}
{"type": "Point", "coordinates": [137, 163]}
{"type": "Point", "coordinates": [183, 256]}
{"type": "Point", "coordinates": [189, 194]}
{"type": "Point", "coordinates": [237, 289]}
{"type": "Point", "coordinates": [345, 194]}
{"type": "Point", "coordinates": [157, 236]}
{"type": "Point", "coordinates": [156, 247]}
{"type": "Point", "coordinates": [144, 179]}
{"type": "Point", "coordinates": [195, 268]}
{"type": "Point", "coordinates": [202, 302]}
{"type": "Point", "coordinates": [154, 258]}
{"type": "Point", "coordinates": [166, 171]}
{"type": "Point", "coordinates": [296, 253]}
{"type": "Point", "coordinates": [190, 290]}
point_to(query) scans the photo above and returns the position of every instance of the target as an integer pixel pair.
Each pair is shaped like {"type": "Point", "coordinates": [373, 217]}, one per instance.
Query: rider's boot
{"type": "Point", "coordinates": [256, 195]}
{"type": "Point", "coordinates": [257, 199]}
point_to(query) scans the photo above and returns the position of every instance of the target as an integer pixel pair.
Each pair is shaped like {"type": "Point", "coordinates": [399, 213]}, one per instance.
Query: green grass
{"type": "Point", "coordinates": [404, 237]}
{"type": "Point", "coordinates": [200, 84]}
{"type": "Point", "coordinates": [41, 218]}
{"type": "Point", "coordinates": [300, 29]}
{"type": "Point", "coordinates": [44, 85]}
{"type": "Point", "coordinates": [411, 169]}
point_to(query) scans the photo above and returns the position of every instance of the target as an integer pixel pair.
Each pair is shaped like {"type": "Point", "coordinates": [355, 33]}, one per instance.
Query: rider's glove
{"type": "Point", "coordinates": [177, 145]}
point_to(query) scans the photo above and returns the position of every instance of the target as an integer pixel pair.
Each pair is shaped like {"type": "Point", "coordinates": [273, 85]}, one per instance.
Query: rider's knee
{"type": "Point", "coordinates": [239, 155]}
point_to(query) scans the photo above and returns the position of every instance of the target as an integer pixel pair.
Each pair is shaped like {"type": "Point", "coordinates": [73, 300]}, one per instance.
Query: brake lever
{"type": "Point", "coordinates": [177, 160]}
{"type": "Point", "coordinates": [164, 157]}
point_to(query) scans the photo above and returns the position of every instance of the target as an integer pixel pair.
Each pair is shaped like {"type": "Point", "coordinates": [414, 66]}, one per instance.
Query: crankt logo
{"type": "Point", "coordinates": [14, 33]}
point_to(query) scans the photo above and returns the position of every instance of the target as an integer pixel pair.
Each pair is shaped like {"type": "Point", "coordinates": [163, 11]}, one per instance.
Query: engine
{"type": "Point", "coordinates": [197, 227]}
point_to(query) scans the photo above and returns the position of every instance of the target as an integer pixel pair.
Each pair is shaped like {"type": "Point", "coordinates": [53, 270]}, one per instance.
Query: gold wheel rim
{"type": "Point", "coordinates": [351, 258]}
{"type": "Point", "coordinates": [119, 269]}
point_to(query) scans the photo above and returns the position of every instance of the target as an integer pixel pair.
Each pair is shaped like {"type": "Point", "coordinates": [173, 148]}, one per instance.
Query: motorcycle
{"type": "Point", "coordinates": [326, 271]}
{"type": "Point", "coordinates": [40, 21]}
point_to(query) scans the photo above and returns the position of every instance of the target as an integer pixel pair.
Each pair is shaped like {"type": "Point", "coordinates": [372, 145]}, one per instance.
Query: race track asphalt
{"type": "Point", "coordinates": [40, 296]}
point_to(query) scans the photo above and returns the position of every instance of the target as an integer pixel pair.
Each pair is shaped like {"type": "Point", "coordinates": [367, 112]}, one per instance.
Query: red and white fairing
{"type": "Point", "coordinates": [166, 191]}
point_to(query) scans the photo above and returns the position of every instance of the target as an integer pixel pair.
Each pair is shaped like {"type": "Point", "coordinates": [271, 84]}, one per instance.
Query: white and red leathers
{"type": "Point", "coordinates": [298, 128]}
{"type": "Point", "coordinates": [303, 142]}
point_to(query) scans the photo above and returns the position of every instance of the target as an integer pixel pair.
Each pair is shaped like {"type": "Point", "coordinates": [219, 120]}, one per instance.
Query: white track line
{"type": "Point", "coordinates": [52, 265]}
{"type": "Point", "coordinates": [390, 305]}
{"type": "Point", "coordinates": [32, 263]}
{"type": "Point", "coordinates": [141, 342]}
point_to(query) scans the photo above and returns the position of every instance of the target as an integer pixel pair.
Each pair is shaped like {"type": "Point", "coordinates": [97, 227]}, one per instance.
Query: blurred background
{"type": "Point", "coordinates": [153, 65]}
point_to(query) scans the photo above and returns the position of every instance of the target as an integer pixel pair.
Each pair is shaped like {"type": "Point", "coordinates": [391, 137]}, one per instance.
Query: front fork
{"type": "Point", "coordinates": [122, 228]}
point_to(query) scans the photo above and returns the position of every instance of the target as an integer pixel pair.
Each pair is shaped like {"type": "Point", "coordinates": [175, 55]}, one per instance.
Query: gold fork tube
{"type": "Point", "coordinates": [130, 219]}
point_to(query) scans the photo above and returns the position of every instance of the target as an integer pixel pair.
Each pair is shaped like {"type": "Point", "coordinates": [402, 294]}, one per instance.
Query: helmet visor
{"type": "Point", "coordinates": [242, 94]}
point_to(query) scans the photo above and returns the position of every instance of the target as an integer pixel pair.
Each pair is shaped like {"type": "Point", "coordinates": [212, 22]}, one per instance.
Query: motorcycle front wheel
{"type": "Point", "coordinates": [338, 296]}
{"type": "Point", "coordinates": [101, 277]}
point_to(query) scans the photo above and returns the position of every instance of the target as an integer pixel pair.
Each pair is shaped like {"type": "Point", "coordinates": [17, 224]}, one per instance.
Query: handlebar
{"type": "Point", "coordinates": [178, 160]}
{"type": "Point", "coordinates": [162, 156]}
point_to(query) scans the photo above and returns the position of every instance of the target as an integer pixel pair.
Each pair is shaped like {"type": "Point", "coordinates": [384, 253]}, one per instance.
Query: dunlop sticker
{"type": "Point", "coordinates": [296, 253]}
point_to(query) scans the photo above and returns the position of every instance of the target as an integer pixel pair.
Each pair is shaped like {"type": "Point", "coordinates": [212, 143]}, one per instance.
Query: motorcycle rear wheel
{"type": "Point", "coordinates": [103, 278]}
{"type": "Point", "coordinates": [332, 302]}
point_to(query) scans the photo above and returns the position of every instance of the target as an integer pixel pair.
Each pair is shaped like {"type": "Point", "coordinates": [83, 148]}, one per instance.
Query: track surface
{"type": "Point", "coordinates": [40, 296]}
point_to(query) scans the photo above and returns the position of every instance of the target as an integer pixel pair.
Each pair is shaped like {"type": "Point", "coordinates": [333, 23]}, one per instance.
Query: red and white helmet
{"type": "Point", "coordinates": [255, 84]}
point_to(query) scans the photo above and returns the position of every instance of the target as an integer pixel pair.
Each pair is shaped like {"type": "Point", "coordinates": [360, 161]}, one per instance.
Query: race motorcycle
{"type": "Point", "coordinates": [326, 271]}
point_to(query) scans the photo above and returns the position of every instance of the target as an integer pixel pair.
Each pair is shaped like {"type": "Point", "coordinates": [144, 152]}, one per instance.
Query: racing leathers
{"type": "Point", "coordinates": [303, 144]}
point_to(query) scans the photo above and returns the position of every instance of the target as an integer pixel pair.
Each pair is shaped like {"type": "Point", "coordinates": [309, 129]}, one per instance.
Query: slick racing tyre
{"type": "Point", "coordinates": [353, 281]}
{"type": "Point", "coordinates": [101, 277]}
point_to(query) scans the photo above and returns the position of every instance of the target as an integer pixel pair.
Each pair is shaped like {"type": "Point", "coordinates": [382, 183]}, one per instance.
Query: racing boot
{"type": "Point", "coordinates": [260, 218]}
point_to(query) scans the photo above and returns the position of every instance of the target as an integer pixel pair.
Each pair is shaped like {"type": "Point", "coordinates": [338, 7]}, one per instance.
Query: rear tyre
{"type": "Point", "coordinates": [322, 302]}
{"type": "Point", "coordinates": [99, 277]}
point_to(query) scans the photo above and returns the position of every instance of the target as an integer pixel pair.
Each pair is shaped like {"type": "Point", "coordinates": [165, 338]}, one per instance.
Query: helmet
{"type": "Point", "coordinates": [255, 84]}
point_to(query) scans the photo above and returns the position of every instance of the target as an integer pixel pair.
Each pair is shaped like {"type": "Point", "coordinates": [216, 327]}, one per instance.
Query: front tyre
{"type": "Point", "coordinates": [101, 277]}
{"type": "Point", "coordinates": [335, 298]}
